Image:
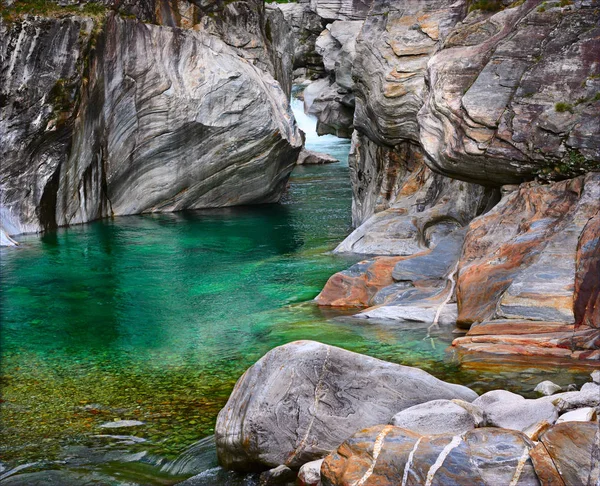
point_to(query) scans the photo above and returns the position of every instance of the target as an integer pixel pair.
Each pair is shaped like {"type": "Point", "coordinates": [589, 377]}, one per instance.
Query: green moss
{"type": "Point", "coordinates": [564, 3]}
{"type": "Point", "coordinates": [562, 107]}
{"type": "Point", "coordinates": [573, 164]}
{"type": "Point", "coordinates": [486, 5]}
{"type": "Point", "coordinates": [596, 97]}
{"type": "Point", "coordinates": [48, 8]}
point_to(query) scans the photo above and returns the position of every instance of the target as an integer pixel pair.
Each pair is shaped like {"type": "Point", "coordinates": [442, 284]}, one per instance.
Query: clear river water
{"type": "Point", "coordinates": [154, 318]}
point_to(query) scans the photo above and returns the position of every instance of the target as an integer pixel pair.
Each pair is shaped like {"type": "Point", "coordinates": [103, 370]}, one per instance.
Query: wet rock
{"type": "Point", "coordinates": [309, 157]}
{"type": "Point", "coordinates": [547, 388]}
{"type": "Point", "coordinates": [6, 240]}
{"type": "Point", "coordinates": [568, 453]}
{"type": "Point", "coordinates": [310, 473]}
{"type": "Point", "coordinates": [118, 424]}
{"type": "Point", "coordinates": [388, 455]}
{"type": "Point", "coordinates": [301, 400]}
{"type": "Point", "coordinates": [587, 414]}
{"type": "Point", "coordinates": [511, 95]}
{"type": "Point", "coordinates": [596, 377]}
{"type": "Point", "coordinates": [278, 475]}
{"type": "Point", "coordinates": [437, 417]}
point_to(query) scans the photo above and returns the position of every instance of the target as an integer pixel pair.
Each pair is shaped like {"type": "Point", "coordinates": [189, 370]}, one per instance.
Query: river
{"type": "Point", "coordinates": [154, 317]}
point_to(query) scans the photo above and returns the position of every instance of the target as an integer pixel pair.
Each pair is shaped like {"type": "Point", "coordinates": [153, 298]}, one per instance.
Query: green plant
{"type": "Point", "coordinates": [564, 3]}
{"type": "Point", "coordinates": [562, 107]}
{"type": "Point", "coordinates": [596, 97]}
{"type": "Point", "coordinates": [486, 5]}
{"type": "Point", "coordinates": [573, 164]}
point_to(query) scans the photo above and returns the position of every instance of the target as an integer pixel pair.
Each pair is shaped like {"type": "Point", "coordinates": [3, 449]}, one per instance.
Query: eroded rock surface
{"type": "Point", "coordinates": [514, 94]}
{"type": "Point", "coordinates": [301, 400]}
{"type": "Point", "coordinates": [519, 272]}
{"type": "Point", "coordinates": [150, 129]}
{"type": "Point", "coordinates": [386, 455]}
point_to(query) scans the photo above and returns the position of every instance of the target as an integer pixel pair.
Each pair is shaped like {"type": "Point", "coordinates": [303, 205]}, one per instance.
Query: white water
{"type": "Point", "coordinates": [330, 144]}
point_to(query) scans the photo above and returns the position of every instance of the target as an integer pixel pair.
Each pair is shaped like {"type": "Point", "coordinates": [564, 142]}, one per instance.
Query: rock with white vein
{"type": "Point", "coordinates": [301, 400]}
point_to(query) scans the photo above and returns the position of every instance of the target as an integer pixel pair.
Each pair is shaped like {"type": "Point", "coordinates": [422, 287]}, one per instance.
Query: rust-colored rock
{"type": "Point", "coordinates": [388, 455]}
{"type": "Point", "coordinates": [569, 454]}
{"type": "Point", "coordinates": [528, 281]}
{"type": "Point", "coordinates": [357, 285]}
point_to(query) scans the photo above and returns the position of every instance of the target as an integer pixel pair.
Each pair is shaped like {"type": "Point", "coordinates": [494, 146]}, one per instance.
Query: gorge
{"type": "Point", "coordinates": [165, 235]}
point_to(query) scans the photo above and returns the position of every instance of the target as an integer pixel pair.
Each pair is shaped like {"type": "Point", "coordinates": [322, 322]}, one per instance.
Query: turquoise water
{"type": "Point", "coordinates": [154, 318]}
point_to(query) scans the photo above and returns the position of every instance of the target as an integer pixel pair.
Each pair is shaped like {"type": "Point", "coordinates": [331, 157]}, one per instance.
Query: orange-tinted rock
{"type": "Point", "coordinates": [529, 276]}
{"type": "Point", "coordinates": [573, 448]}
{"type": "Point", "coordinates": [388, 455]}
{"type": "Point", "coordinates": [357, 285]}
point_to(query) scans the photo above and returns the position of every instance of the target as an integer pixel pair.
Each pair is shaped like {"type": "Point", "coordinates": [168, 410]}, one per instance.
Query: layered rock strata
{"type": "Point", "coordinates": [123, 117]}
{"type": "Point", "coordinates": [301, 400]}
{"type": "Point", "coordinates": [528, 276]}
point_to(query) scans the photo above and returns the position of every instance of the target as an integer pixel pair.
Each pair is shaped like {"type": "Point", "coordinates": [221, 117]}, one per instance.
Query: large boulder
{"type": "Point", "coordinates": [386, 455]}
{"type": "Point", "coordinates": [301, 400]}
{"type": "Point", "coordinates": [146, 129]}
{"type": "Point", "coordinates": [569, 453]}
{"type": "Point", "coordinates": [515, 94]}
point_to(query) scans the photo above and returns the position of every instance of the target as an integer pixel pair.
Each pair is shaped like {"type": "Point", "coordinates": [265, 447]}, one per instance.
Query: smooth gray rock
{"type": "Point", "coordinates": [596, 377]}
{"type": "Point", "coordinates": [310, 473]}
{"type": "Point", "coordinates": [547, 388]}
{"type": "Point", "coordinates": [510, 411]}
{"type": "Point", "coordinates": [310, 157]}
{"type": "Point", "coordinates": [151, 129]}
{"type": "Point", "coordinates": [278, 475]}
{"type": "Point", "coordinates": [435, 418]}
{"type": "Point", "coordinates": [301, 400]}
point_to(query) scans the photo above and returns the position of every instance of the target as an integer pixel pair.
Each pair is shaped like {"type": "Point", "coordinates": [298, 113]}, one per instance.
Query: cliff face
{"type": "Point", "coordinates": [104, 116]}
{"type": "Point", "coordinates": [445, 96]}
{"type": "Point", "coordinates": [515, 94]}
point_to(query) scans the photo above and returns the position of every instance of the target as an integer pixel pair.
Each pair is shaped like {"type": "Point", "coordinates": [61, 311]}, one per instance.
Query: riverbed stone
{"type": "Point", "coordinates": [435, 418]}
{"type": "Point", "coordinates": [310, 473]}
{"type": "Point", "coordinates": [387, 455]}
{"type": "Point", "coordinates": [277, 476]}
{"type": "Point", "coordinates": [510, 411]}
{"type": "Point", "coordinates": [547, 388]}
{"type": "Point", "coordinates": [301, 400]}
{"type": "Point", "coordinates": [586, 414]}
{"type": "Point", "coordinates": [596, 377]}
{"type": "Point", "coordinates": [118, 424]}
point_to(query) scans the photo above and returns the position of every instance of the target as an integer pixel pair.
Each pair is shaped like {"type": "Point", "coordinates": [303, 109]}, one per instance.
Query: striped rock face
{"type": "Point", "coordinates": [388, 455]}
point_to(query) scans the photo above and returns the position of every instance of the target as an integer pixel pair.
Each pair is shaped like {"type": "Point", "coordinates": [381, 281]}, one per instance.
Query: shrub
{"type": "Point", "coordinates": [562, 107]}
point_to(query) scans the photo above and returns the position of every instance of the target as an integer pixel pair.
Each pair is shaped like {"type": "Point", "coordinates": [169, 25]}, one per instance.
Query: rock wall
{"type": "Point", "coordinates": [515, 94]}
{"type": "Point", "coordinates": [444, 95]}
{"type": "Point", "coordinates": [123, 117]}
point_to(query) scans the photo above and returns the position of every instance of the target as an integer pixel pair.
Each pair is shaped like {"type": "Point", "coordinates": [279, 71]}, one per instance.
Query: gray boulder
{"type": "Point", "coordinates": [149, 130]}
{"type": "Point", "coordinates": [511, 411]}
{"type": "Point", "coordinates": [547, 388]}
{"type": "Point", "coordinates": [435, 418]}
{"type": "Point", "coordinates": [309, 157]}
{"type": "Point", "coordinates": [301, 400]}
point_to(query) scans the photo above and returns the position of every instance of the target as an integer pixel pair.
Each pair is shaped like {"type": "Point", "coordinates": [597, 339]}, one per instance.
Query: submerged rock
{"type": "Point", "coordinates": [301, 400]}
{"type": "Point", "coordinates": [385, 455]}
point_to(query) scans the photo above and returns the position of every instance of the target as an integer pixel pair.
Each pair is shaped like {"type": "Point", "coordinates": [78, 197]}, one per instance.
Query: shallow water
{"type": "Point", "coordinates": [154, 317]}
